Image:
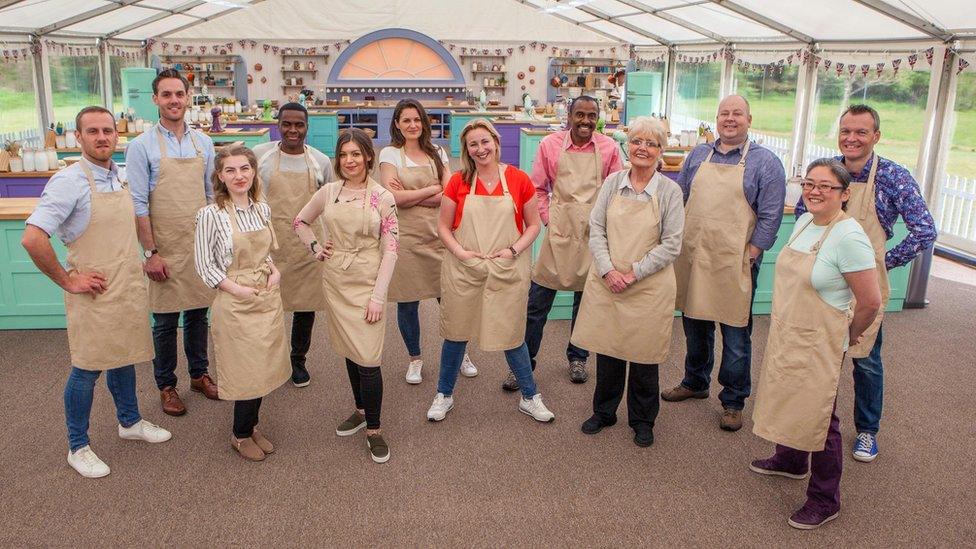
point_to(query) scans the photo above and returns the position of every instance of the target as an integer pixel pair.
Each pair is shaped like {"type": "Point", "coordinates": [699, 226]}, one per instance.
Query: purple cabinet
{"type": "Point", "coordinates": [244, 125]}
{"type": "Point", "coordinates": [21, 187]}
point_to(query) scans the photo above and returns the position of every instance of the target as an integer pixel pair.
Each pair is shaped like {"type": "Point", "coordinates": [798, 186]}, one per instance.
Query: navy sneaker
{"type": "Point", "coordinates": [809, 518]}
{"type": "Point", "coordinates": [865, 447]}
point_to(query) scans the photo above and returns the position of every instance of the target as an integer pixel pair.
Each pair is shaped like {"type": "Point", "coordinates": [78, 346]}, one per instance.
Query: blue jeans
{"type": "Point", "coordinates": [79, 392]}
{"type": "Point", "coordinates": [540, 303]}
{"type": "Point", "coordinates": [408, 320]}
{"type": "Point", "coordinates": [195, 328]}
{"type": "Point", "coordinates": [452, 353]}
{"type": "Point", "coordinates": [734, 373]}
{"type": "Point", "coordinates": [869, 390]}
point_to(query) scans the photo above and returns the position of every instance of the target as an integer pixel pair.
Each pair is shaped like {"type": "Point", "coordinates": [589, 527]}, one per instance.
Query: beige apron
{"type": "Point", "coordinates": [486, 299]}
{"type": "Point", "coordinates": [418, 266]}
{"type": "Point", "coordinates": [288, 192]}
{"type": "Point", "coordinates": [173, 206]}
{"type": "Point", "coordinates": [802, 361]}
{"type": "Point", "coordinates": [713, 271]}
{"type": "Point", "coordinates": [862, 206]}
{"type": "Point", "coordinates": [564, 257]}
{"type": "Point", "coordinates": [111, 329]}
{"type": "Point", "coordinates": [634, 325]}
{"type": "Point", "coordinates": [350, 276]}
{"type": "Point", "coordinates": [250, 351]}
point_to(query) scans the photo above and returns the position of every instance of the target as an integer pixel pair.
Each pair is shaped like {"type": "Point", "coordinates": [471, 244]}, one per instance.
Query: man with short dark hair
{"type": "Point", "coordinates": [880, 192]}
{"type": "Point", "coordinates": [570, 165]}
{"type": "Point", "coordinates": [291, 171]}
{"type": "Point", "coordinates": [169, 169]}
{"type": "Point", "coordinates": [105, 296]}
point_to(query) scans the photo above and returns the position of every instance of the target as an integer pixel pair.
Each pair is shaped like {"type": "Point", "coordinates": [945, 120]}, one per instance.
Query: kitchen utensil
{"type": "Point", "coordinates": [258, 67]}
{"type": "Point", "coordinates": [520, 76]}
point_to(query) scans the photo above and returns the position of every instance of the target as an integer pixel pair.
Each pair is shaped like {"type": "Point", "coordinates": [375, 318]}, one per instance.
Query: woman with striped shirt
{"type": "Point", "coordinates": [234, 239]}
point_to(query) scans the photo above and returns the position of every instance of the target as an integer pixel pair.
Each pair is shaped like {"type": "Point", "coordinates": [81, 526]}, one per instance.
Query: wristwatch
{"type": "Point", "coordinates": [514, 253]}
{"type": "Point", "coordinates": [150, 253]}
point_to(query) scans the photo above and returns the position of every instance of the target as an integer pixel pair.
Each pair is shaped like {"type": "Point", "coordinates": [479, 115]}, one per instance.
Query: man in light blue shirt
{"type": "Point", "coordinates": [97, 238]}
{"type": "Point", "coordinates": [169, 168]}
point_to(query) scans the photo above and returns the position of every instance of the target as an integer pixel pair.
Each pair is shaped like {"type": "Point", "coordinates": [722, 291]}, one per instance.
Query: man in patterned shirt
{"type": "Point", "coordinates": [896, 193]}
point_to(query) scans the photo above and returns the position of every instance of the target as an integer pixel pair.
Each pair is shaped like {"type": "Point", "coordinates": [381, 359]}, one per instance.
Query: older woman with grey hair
{"type": "Point", "coordinates": [628, 301]}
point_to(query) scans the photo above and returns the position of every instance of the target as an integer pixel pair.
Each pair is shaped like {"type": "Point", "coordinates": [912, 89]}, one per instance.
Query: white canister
{"type": "Point", "coordinates": [188, 116]}
{"type": "Point", "coordinates": [16, 164]}
{"type": "Point", "coordinates": [28, 156]}
{"type": "Point", "coordinates": [794, 190]}
{"type": "Point", "coordinates": [140, 125]}
{"type": "Point", "coordinates": [40, 160]}
{"type": "Point", "coordinates": [70, 139]}
{"type": "Point", "coordinates": [61, 141]}
{"type": "Point", "coordinates": [52, 158]}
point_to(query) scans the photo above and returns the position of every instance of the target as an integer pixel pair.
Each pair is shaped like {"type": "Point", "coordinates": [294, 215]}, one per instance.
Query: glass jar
{"type": "Point", "coordinates": [16, 164]}
{"type": "Point", "coordinates": [52, 158]}
{"type": "Point", "coordinates": [40, 160]}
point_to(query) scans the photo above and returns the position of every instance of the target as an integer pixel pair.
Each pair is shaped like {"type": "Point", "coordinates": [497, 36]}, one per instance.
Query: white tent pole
{"type": "Point", "coordinates": [105, 73]}
{"type": "Point", "coordinates": [803, 113]}
{"type": "Point", "coordinates": [728, 74]}
{"type": "Point", "coordinates": [932, 154]}
{"type": "Point", "coordinates": [42, 84]}
{"type": "Point", "coordinates": [671, 83]}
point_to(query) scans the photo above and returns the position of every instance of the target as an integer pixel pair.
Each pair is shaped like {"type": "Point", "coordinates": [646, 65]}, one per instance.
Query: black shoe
{"type": "Point", "coordinates": [595, 424]}
{"type": "Point", "coordinates": [299, 376]}
{"type": "Point", "coordinates": [577, 371]}
{"type": "Point", "coordinates": [644, 438]}
{"type": "Point", "coordinates": [510, 384]}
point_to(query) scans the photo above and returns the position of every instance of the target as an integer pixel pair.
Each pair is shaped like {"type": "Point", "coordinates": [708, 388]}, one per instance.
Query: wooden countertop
{"type": "Point", "coordinates": [118, 149]}
{"type": "Point", "coordinates": [27, 175]}
{"type": "Point", "coordinates": [17, 208]}
{"type": "Point", "coordinates": [388, 105]}
{"type": "Point", "coordinates": [237, 132]}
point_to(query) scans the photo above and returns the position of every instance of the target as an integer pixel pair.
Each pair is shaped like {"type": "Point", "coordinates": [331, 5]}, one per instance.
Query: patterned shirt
{"type": "Point", "coordinates": [764, 185]}
{"type": "Point", "coordinates": [214, 237]}
{"type": "Point", "coordinates": [897, 194]}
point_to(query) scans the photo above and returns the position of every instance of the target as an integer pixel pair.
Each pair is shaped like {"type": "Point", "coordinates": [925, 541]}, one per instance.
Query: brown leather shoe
{"type": "Point", "coordinates": [172, 403]}
{"type": "Point", "coordinates": [205, 384]}
{"type": "Point", "coordinates": [731, 420]}
{"type": "Point", "coordinates": [247, 448]}
{"type": "Point", "coordinates": [263, 443]}
{"type": "Point", "coordinates": [681, 392]}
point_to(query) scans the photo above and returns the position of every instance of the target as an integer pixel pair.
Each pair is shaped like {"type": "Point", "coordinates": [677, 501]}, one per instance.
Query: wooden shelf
{"type": "Point", "coordinates": [495, 87]}
{"type": "Point", "coordinates": [195, 86]}
{"type": "Point", "coordinates": [489, 72]}
{"type": "Point", "coordinates": [325, 55]}
{"type": "Point", "coordinates": [294, 85]}
{"type": "Point", "coordinates": [314, 71]}
{"type": "Point", "coordinates": [483, 56]}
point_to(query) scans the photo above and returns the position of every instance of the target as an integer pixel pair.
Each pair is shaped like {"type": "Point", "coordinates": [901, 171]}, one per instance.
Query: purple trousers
{"type": "Point", "coordinates": [826, 466]}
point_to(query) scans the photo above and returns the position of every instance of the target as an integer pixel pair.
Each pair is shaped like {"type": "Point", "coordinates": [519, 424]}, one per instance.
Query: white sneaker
{"type": "Point", "coordinates": [413, 372]}
{"type": "Point", "coordinates": [87, 463]}
{"type": "Point", "coordinates": [143, 430]}
{"type": "Point", "coordinates": [440, 407]}
{"type": "Point", "coordinates": [535, 408]}
{"type": "Point", "coordinates": [467, 367]}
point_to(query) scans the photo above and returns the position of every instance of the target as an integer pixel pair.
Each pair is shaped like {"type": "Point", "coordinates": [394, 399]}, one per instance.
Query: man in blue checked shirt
{"type": "Point", "coordinates": [881, 191]}
{"type": "Point", "coordinates": [734, 194]}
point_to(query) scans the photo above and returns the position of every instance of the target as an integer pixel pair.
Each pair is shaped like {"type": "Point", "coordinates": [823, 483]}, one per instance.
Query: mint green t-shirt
{"type": "Point", "coordinates": [847, 249]}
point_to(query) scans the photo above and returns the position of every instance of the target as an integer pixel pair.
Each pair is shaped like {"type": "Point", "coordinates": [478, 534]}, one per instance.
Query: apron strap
{"type": "Point", "coordinates": [742, 161]}
{"type": "Point", "coordinates": [830, 226]}
{"type": "Point", "coordinates": [162, 142]}
{"type": "Point", "coordinates": [88, 174]}
{"type": "Point", "coordinates": [596, 155]}
{"type": "Point", "coordinates": [872, 173]}
{"type": "Point", "coordinates": [403, 162]}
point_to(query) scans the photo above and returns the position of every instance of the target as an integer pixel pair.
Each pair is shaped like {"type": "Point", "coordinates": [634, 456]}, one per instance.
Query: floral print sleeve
{"type": "Point", "coordinates": [381, 200]}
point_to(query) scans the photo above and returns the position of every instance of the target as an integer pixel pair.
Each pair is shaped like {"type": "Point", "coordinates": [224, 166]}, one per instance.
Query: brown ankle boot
{"type": "Point", "coordinates": [247, 448]}
{"type": "Point", "coordinates": [263, 443]}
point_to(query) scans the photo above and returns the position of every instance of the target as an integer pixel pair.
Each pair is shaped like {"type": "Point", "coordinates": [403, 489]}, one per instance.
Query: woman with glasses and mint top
{"type": "Point", "coordinates": [825, 295]}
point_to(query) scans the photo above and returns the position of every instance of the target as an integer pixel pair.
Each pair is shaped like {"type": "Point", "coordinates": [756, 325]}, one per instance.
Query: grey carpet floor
{"type": "Point", "coordinates": [488, 475]}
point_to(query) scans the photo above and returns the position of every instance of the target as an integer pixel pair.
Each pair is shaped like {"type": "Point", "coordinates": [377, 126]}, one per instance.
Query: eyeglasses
{"type": "Point", "coordinates": [810, 185]}
{"type": "Point", "coordinates": [645, 143]}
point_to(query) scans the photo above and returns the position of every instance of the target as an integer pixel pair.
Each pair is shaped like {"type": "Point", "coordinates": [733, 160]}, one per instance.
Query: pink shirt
{"type": "Point", "coordinates": [544, 169]}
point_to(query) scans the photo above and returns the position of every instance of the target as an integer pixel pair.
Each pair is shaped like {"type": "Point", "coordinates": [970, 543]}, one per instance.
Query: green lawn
{"type": "Point", "coordinates": [17, 111]}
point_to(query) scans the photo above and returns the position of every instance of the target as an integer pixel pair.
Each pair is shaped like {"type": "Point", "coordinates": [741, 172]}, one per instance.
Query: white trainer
{"type": "Point", "coordinates": [143, 430]}
{"type": "Point", "coordinates": [467, 367]}
{"type": "Point", "coordinates": [535, 408]}
{"type": "Point", "coordinates": [87, 463]}
{"type": "Point", "coordinates": [440, 407]}
{"type": "Point", "coordinates": [413, 372]}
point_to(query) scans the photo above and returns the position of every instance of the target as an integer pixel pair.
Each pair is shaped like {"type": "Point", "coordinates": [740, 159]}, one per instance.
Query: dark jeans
{"type": "Point", "coordinates": [734, 372]}
{"type": "Point", "coordinates": [79, 392]}
{"type": "Point", "coordinates": [195, 329]}
{"type": "Point", "coordinates": [301, 337]}
{"type": "Point", "coordinates": [408, 320]}
{"type": "Point", "coordinates": [245, 416]}
{"type": "Point", "coordinates": [869, 390]}
{"type": "Point", "coordinates": [367, 390]}
{"type": "Point", "coordinates": [826, 466]}
{"type": "Point", "coordinates": [540, 303]}
{"type": "Point", "coordinates": [452, 354]}
{"type": "Point", "coordinates": [643, 399]}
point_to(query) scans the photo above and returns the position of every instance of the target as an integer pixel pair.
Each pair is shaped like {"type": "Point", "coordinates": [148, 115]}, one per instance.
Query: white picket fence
{"type": "Point", "coordinates": [957, 208]}
{"type": "Point", "coordinates": [27, 138]}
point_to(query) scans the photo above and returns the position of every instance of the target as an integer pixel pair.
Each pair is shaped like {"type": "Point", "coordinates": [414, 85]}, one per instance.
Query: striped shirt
{"type": "Point", "coordinates": [214, 238]}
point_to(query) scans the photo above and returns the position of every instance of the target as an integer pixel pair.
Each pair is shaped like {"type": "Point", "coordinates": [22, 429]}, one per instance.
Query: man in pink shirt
{"type": "Point", "coordinates": [569, 169]}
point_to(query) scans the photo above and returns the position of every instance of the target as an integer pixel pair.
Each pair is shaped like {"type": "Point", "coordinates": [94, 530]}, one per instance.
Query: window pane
{"type": "Point", "coordinates": [696, 100]}
{"type": "Point", "coordinates": [117, 64]}
{"type": "Point", "coordinates": [899, 99]}
{"type": "Point", "coordinates": [956, 201]}
{"type": "Point", "coordinates": [74, 85]}
{"type": "Point", "coordinates": [18, 103]}
{"type": "Point", "coordinates": [772, 100]}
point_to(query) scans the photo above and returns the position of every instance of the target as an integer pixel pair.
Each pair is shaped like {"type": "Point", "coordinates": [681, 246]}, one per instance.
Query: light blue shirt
{"type": "Point", "coordinates": [65, 205]}
{"type": "Point", "coordinates": [142, 161]}
{"type": "Point", "coordinates": [847, 249]}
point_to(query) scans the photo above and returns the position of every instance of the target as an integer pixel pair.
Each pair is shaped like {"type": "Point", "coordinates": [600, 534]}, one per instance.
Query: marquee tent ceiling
{"type": "Point", "coordinates": [639, 22]}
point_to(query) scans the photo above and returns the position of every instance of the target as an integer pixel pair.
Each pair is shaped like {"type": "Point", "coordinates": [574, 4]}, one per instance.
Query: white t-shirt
{"type": "Point", "coordinates": [291, 163]}
{"type": "Point", "coordinates": [847, 249]}
{"type": "Point", "coordinates": [391, 155]}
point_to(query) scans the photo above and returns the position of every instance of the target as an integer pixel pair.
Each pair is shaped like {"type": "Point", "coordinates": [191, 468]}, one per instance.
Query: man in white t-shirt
{"type": "Point", "coordinates": [290, 172]}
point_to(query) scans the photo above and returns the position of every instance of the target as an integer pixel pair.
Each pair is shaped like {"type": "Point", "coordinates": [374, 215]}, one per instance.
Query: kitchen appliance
{"type": "Point", "coordinates": [643, 94]}
{"type": "Point", "coordinates": [137, 93]}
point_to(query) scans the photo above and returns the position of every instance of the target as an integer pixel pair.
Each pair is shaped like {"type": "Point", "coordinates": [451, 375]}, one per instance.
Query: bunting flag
{"type": "Point", "coordinates": [962, 65]}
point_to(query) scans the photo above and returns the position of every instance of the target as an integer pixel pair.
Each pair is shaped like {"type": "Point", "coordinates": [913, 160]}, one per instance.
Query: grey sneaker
{"type": "Point", "coordinates": [352, 425]}
{"type": "Point", "coordinates": [577, 371]}
{"type": "Point", "coordinates": [510, 384]}
{"type": "Point", "coordinates": [379, 450]}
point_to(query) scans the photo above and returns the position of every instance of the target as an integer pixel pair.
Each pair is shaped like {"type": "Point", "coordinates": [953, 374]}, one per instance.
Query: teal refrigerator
{"type": "Point", "coordinates": [137, 93]}
{"type": "Point", "coordinates": [643, 91]}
